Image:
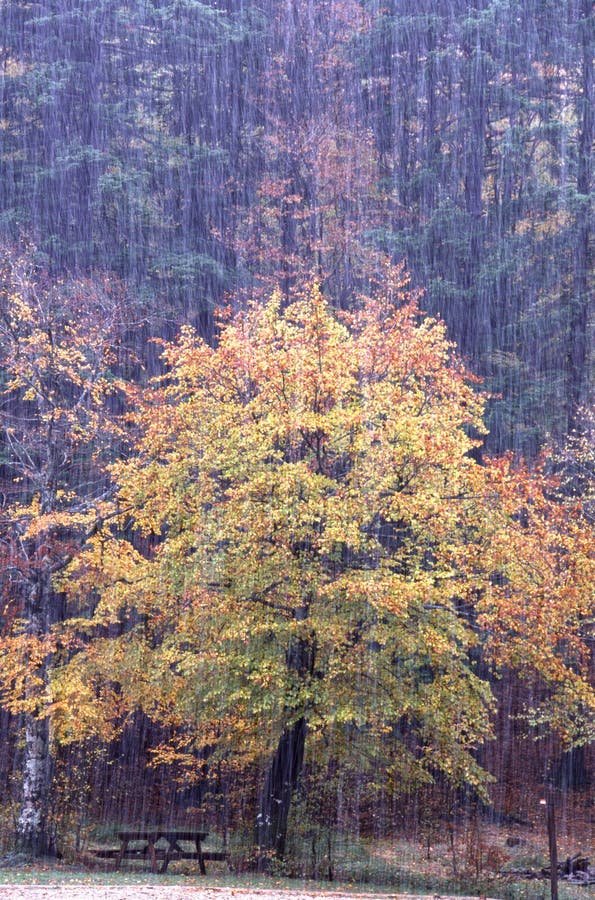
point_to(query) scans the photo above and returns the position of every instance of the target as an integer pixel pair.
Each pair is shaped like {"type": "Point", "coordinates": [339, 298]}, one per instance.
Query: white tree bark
{"type": "Point", "coordinates": [32, 825]}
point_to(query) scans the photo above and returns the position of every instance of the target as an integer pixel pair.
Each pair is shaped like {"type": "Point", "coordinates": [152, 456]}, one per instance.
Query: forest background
{"type": "Point", "coordinates": [161, 160]}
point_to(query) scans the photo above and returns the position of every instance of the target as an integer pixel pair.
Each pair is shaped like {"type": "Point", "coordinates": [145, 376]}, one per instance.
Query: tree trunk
{"type": "Point", "coordinates": [283, 775]}
{"type": "Point", "coordinates": [580, 358]}
{"type": "Point", "coordinates": [281, 781]}
{"type": "Point", "coordinates": [32, 825]}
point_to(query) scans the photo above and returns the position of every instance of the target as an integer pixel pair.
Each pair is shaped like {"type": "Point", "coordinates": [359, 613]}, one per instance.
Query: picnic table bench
{"type": "Point", "coordinates": [148, 838]}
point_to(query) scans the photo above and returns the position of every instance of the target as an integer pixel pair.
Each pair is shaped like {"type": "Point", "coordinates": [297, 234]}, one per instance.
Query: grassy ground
{"type": "Point", "coordinates": [470, 860]}
{"type": "Point", "coordinates": [378, 868]}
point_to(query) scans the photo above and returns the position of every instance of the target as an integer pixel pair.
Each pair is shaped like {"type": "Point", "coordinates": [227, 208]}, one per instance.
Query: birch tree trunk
{"type": "Point", "coordinates": [32, 826]}
{"type": "Point", "coordinates": [32, 831]}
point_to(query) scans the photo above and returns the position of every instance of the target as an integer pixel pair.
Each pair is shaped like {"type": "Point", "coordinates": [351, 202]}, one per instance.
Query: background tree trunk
{"type": "Point", "coordinates": [580, 367]}
{"type": "Point", "coordinates": [550, 801]}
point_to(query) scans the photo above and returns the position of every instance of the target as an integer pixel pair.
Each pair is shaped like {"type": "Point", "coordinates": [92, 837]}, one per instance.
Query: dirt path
{"type": "Point", "coordinates": [171, 892]}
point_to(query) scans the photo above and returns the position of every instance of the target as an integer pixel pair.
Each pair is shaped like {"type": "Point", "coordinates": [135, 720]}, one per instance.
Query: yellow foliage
{"type": "Point", "coordinates": [305, 489]}
{"type": "Point", "coordinates": [305, 533]}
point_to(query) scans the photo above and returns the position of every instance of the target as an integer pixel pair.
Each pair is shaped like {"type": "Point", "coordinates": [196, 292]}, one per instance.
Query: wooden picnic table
{"type": "Point", "coordinates": [172, 836]}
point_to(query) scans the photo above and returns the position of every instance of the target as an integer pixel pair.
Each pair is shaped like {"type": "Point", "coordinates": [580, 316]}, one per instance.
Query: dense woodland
{"type": "Point", "coordinates": [296, 448]}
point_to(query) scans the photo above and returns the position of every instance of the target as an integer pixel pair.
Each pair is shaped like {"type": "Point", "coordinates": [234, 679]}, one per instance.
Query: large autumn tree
{"type": "Point", "coordinates": [309, 540]}
{"type": "Point", "coordinates": [305, 486]}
